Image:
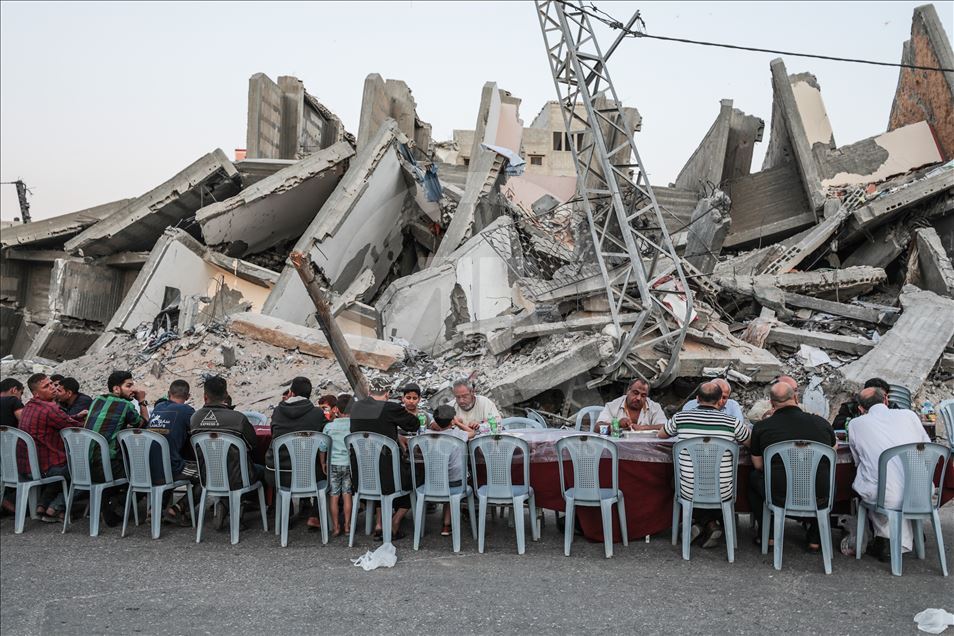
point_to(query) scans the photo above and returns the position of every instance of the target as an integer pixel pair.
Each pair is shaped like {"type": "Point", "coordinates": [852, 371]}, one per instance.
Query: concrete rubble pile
{"type": "Point", "coordinates": [466, 257]}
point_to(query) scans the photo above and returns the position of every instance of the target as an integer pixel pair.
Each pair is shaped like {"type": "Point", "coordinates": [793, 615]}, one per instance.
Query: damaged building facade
{"type": "Point", "coordinates": [473, 257]}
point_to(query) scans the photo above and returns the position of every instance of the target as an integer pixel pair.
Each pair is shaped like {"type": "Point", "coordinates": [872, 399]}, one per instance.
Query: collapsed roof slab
{"type": "Point", "coordinates": [140, 223]}
{"type": "Point", "coordinates": [472, 284]}
{"type": "Point", "coordinates": [907, 353]}
{"type": "Point", "coordinates": [180, 268]}
{"type": "Point", "coordinates": [937, 272]}
{"type": "Point", "coordinates": [53, 232]}
{"type": "Point", "coordinates": [60, 340]}
{"type": "Point", "coordinates": [923, 95]}
{"type": "Point", "coordinates": [254, 170]}
{"type": "Point", "coordinates": [359, 227]}
{"type": "Point", "coordinates": [766, 206]}
{"type": "Point", "coordinates": [939, 183]}
{"type": "Point", "coordinates": [277, 208]}
{"type": "Point", "coordinates": [844, 282]}
{"type": "Point", "coordinates": [789, 141]}
{"type": "Point", "coordinates": [707, 162]}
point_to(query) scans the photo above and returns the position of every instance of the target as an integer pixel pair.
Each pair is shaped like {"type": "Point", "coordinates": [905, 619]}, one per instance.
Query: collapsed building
{"type": "Point", "coordinates": [472, 257]}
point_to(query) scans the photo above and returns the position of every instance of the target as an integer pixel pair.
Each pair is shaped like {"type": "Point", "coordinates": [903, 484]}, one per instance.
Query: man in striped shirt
{"type": "Point", "coordinates": [706, 420]}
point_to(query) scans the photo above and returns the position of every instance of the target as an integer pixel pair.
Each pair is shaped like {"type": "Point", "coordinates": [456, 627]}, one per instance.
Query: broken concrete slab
{"type": "Point", "coordinates": [277, 208]}
{"type": "Point", "coordinates": [908, 352]}
{"type": "Point", "coordinates": [285, 122]}
{"type": "Point", "coordinates": [139, 224]}
{"type": "Point", "coordinates": [485, 173]}
{"type": "Point", "coordinates": [53, 232]}
{"type": "Point", "coordinates": [766, 206]}
{"type": "Point", "coordinates": [807, 244]}
{"type": "Point", "coordinates": [359, 227]}
{"type": "Point", "coordinates": [937, 272]}
{"type": "Point", "coordinates": [181, 270]}
{"type": "Point", "coordinates": [707, 231]}
{"type": "Point", "coordinates": [61, 340]}
{"type": "Point", "coordinates": [789, 141]}
{"type": "Point", "coordinates": [883, 316]}
{"type": "Point", "coordinates": [86, 292]}
{"type": "Point", "coordinates": [254, 170]}
{"type": "Point", "coordinates": [369, 352]}
{"type": "Point", "coordinates": [846, 282]}
{"type": "Point", "coordinates": [793, 337]}
{"type": "Point", "coordinates": [925, 96]}
{"type": "Point", "coordinates": [707, 162]}
{"type": "Point", "coordinates": [533, 379]}
{"type": "Point", "coordinates": [891, 204]}
{"type": "Point", "coordinates": [472, 284]}
{"type": "Point", "coordinates": [390, 99]}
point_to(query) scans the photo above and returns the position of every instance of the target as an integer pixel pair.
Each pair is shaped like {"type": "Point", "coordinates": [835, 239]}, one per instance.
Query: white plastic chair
{"type": "Point", "coordinates": [79, 443]}
{"type": "Point", "coordinates": [519, 423]}
{"type": "Point", "coordinates": [368, 448]}
{"type": "Point", "coordinates": [212, 453]}
{"type": "Point", "coordinates": [536, 417]}
{"type": "Point", "coordinates": [10, 474]}
{"type": "Point", "coordinates": [919, 503]}
{"type": "Point", "coordinates": [302, 448]}
{"type": "Point", "coordinates": [588, 413]}
{"type": "Point", "coordinates": [498, 453]}
{"type": "Point", "coordinates": [585, 453]}
{"type": "Point", "coordinates": [706, 454]}
{"type": "Point", "coordinates": [136, 446]}
{"type": "Point", "coordinates": [436, 452]}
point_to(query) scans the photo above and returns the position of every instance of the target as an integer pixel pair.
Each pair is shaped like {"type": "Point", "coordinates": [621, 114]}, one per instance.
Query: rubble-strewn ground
{"type": "Point", "coordinates": [113, 585]}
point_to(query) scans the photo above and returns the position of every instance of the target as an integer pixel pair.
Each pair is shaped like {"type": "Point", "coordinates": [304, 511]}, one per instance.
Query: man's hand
{"type": "Point", "coordinates": [626, 424]}
{"type": "Point", "coordinates": [646, 427]}
{"type": "Point", "coordinates": [81, 415]}
{"type": "Point", "coordinates": [139, 394]}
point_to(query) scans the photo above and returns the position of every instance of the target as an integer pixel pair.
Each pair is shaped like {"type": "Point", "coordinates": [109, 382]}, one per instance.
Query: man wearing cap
{"type": "Point", "coordinates": [635, 411]}
{"type": "Point", "coordinates": [376, 414]}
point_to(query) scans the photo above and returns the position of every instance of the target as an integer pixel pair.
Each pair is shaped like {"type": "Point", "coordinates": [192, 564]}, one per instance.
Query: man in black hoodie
{"type": "Point", "coordinates": [295, 412]}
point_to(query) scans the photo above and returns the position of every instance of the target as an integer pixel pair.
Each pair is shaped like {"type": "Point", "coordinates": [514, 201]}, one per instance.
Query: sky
{"type": "Point", "coordinates": [102, 101]}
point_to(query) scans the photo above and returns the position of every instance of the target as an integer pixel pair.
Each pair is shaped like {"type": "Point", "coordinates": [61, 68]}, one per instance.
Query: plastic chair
{"type": "Point", "coordinates": [520, 423]}
{"type": "Point", "coordinates": [437, 451]}
{"type": "Point", "coordinates": [919, 461]}
{"type": "Point", "coordinates": [536, 417]}
{"type": "Point", "coordinates": [79, 450]}
{"type": "Point", "coordinates": [585, 452]}
{"type": "Point", "coordinates": [10, 474]}
{"type": "Point", "coordinates": [302, 448]}
{"type": "Point", "coordinates": [212, 452]}
{"type": "Point", "coordinates": [800, 459]}
{"type": "Point", "coordinates": [498, 452]}
{"type": "Point", "coordinates": [945, 411]}
{"type": "Point", "coordinates": [136, 446]}
{"type": "Point", "coordinates": [368, 448]}
{"type": "Point", "coordinates": [899, 397]}
{"type": "Point", "coordinates": [590, 412]}
{"type": "Point", "coordinates": [706, 455]}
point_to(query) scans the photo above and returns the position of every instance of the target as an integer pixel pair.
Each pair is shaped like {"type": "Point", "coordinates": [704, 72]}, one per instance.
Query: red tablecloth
{"type": "Point", "coordinates": [264, 435]}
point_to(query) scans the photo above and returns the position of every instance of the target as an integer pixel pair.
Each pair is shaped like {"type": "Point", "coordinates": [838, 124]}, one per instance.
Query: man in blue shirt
{"type": "Point", "coordinates": [726, 405]}
{"type": "Point", "coordinates": [170, 417]}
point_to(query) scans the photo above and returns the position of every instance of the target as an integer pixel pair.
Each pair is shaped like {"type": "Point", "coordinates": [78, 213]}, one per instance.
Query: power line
{"type": "Point", "coordinates": [613, 23]}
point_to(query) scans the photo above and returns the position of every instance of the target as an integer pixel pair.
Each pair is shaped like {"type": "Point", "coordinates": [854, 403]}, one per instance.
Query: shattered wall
{"type": "Point", "coordinates": [390, 99]}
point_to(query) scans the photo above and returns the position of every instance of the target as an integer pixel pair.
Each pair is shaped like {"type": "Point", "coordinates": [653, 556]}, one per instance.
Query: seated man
{"type": "Point", "coordinates": [108, 414]}
{"type": "Point", "coordinates": [11, 393]}
{"type": "Point", "coordinates": [71, 400]}
{"type": "Point", "coordinates": [706, 421]}
{"type": "Point", "coordinates": [377, 415]}
{"type": "Point", "coordinates": [876, 430]}
{"type": "Point", "coordinates": [849, 410]}
{"type": "Point", "coordinates": [295, 412]}
{"type": "Point", "coordinates": [218, 416]}
{"type": "Point", "coordinates": [635, 411]}
{"type": "Point", "coordinates": [170, 417]}
{"type": "Point", "coordinates": [788, 422]}
{"type": "Point", "coordinates": [472, 410]}
{"type": "Point", "coordinates": [726, 404]}
{"type": "Point", "coordinates": [43, 420]}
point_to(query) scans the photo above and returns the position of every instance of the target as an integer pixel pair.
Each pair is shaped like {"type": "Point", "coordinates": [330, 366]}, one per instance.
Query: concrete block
{"type": "Point", "coordinates": [908, 352]}
{"type": "Point", "coordinates": [937, 272]}
{"type": "Point", "coordinates": [369, 352]}
{"type": "Point", "coordinates": [533, 379]}
{"type": "Point", "coordinates": [793, 337]}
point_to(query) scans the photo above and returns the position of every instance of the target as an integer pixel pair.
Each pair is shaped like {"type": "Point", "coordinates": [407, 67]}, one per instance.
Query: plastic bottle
{"type": "Point", "coordinates": [493, 425]}
{"type": "Point", "coordinates": [927, 411]}
{"type": "Point", "coordinates": [615, 427]}
{"type": "Point", "coordinates": [422, 423]}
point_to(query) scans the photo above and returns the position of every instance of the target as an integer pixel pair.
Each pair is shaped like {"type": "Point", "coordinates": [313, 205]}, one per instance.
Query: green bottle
{"type": "Point", "coordinates": [422, 423]}
{"type": "Point", "coordinates": [615, 427]}
{"type": "Point", "coordinates": [493, 425]}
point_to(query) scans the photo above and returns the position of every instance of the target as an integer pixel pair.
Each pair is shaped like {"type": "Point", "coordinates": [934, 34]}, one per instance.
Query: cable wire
{"type": "Point", "coordinates": [613, 23]}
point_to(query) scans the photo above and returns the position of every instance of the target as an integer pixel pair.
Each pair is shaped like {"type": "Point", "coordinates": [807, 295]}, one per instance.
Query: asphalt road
{"type": "Point", "coordinates": [74, 584]}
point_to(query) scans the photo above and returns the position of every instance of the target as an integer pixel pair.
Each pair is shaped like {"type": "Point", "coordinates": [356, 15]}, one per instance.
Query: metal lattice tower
{"type": "Point", "coordinates": [637, 260]}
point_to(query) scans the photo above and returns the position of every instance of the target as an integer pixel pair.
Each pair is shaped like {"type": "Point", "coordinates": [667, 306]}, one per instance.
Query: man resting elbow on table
{"type": "Point", "coordinates": [635, 411]}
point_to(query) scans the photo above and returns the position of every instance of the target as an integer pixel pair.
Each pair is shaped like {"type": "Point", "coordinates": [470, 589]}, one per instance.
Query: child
{"type": "Point", "coordinates": [329, 404]}
{"type": "Point", "coordinates": [411, 399]}
{"type": "Point", "coordinates": [339, 475]}
{"type": "Point", "coordinates": [443, 423]}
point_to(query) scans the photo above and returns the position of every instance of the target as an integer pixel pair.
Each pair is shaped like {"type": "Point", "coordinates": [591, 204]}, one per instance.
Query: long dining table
{"type": "Point", "coordinates": [647, 481]}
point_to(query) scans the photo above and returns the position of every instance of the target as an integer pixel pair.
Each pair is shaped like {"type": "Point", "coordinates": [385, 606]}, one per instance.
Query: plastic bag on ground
{"type": "Point", "coordinates": [385, 556]}
{"type": "Point", "coordinates": [933, 620]}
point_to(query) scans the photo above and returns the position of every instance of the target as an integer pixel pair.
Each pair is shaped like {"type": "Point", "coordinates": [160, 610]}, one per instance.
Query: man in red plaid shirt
{"type": "Point", "coordinates": [42, 418]}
